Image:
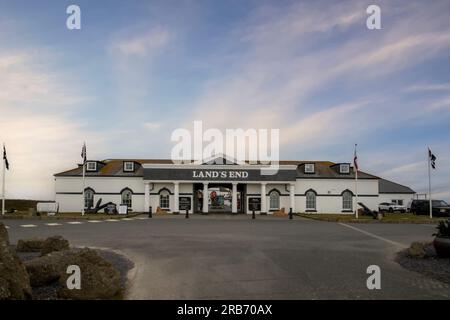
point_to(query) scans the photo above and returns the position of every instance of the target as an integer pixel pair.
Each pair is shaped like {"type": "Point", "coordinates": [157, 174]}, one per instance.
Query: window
{"type": "Point", "coordinates": [397, 201]}
{"type": "Point", "coordinates": [91, 166]}
{"type": "Point", "coordinates": [88, 198]}
{"type": "Point", "coordinates": [128, 166]}
{"type": "Point", "coordinates": [347, 201]}
{"type": "Point", "coordinates": [127, 197]}
{"type": "Point", "coordinates": [309, 168]}
{"type": "Point", "coordinates": [164, 199]}
{"type": "Point", "coordinates": [310, 200]}
{"type": "Point", "coordinates": [344, 168]}
{"type": "Point", "coordinates": [274, 200]}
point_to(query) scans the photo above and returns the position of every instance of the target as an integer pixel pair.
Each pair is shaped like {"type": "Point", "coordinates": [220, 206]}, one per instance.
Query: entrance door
{"type": "Point", "coordinates": [219, 198]}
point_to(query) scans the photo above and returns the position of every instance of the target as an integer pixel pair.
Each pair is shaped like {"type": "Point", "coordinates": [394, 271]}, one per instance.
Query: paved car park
{"type": "Point", "coordinates": [235, 257]}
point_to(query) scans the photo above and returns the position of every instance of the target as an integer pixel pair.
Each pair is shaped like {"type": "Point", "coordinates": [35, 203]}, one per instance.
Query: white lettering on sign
{"type": "Point", "coordinates": [220, 174]}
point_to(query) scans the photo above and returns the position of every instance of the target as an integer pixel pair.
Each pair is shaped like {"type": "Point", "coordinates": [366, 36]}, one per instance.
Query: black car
{"type": "Point", "coordinates": [440, 208]}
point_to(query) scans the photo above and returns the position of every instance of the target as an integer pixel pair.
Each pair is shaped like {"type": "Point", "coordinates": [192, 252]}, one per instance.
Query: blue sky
{"type": "Point", "coordinates": [139, 69]}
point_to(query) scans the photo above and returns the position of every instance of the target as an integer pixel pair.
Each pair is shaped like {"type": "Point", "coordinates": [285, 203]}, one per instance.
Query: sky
{"type": "Point", "coordinates": [137, 70]}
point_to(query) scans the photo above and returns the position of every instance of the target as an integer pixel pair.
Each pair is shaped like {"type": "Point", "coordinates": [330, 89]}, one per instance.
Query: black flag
{"type": "Point", "coordinates": [432, 159]}
{"type": "Point", "coordinates": [83, 152]}
{"type": "Point", "coordinates": [5, 158]}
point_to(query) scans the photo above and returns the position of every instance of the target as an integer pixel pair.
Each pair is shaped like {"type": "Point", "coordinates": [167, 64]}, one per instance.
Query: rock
{"type": "Point", "coordinates": [4, 239]}
{"type": "Point", "coordinates": [14, 279]}
{"type": "Point", "coordinates": [42, 271]}
{"type": "Point", "coordinates": [99, 278]}
{"type": "Point", "coordinates": [30, 245]}
{"type": "Point", "coordinates": [55, 243]}
{"type": "Point", "coordinates": [417, 250]}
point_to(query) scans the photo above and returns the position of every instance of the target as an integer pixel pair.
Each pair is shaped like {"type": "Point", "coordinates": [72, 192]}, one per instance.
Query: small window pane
{"type": "Point", "coordinates": [310, 200]}
{"type": "Point", "coordinates": [88, 199]}
{"type": "Point", "coordinates": [164, 202]}
{"type": "Point", "coordinates": [347, 201]}
{"type": "Point", "coordinates": [309, 168]}
{"type": "Point", "coordinates": [127, 198]}
{"type": "Point", "coordinates": [274, 200]}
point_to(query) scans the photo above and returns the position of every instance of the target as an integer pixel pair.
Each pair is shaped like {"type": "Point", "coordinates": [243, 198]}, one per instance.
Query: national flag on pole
{"type": "Point", "coordinates": [432, 159]}
{"type": "Point", "coordinates": [355, 160]}
{"type": "Point", "coordinates": [5, 158]}
{"type": "Point", "coordinates": [83, 152]}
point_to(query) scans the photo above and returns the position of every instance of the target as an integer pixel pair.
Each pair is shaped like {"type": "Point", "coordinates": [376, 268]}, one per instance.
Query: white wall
{"type": "Point", "coordinates": [69, 196]}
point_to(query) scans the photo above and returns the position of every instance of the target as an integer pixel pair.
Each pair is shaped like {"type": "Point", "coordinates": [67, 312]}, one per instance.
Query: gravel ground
{"type": "Point", "coordinates": [122, 264]}
{"type": "Point", "coordinates": [430, 266]}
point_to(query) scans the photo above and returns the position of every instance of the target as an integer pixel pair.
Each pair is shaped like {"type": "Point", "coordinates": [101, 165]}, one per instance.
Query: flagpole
{"type": "Point", "coordinates": [84, 184]}
{"type": "Point", "coordinates": [429, 184]}
{"type": "Point", "coordinates": [355, 165]}
{"type": "Point", "coordinates": [3, 187]}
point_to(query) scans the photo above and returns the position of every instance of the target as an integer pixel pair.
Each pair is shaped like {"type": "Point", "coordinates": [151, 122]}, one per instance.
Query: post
{"type": "Point", "coordinates": [84, 187]}
{"type": "Point", "coordinates": [150, 214]}
{"type": "Point", "coordinates": [290, 213]}
{"type": "Point", "coordinates": [253, 213]}
{"type": "Point", "coordinates": [3, 187]}
{"type": "Point", "coordinates": [187, 214]}
{"type": "Point", "coordinates": [292, 197]}
{"type": "Point", "coordinates": [429, 185]}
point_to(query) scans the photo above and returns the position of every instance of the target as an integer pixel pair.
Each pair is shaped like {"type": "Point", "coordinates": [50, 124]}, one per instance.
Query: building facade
{"type": "Point", "coordinates": [303, 186]}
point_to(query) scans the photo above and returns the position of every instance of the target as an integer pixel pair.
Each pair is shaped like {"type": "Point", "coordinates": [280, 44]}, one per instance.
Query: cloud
{"type": "Point", "coordinates": [428, 87]}
{"type": "Point", "coordinates": [152, 125]}
{"type": "Point", "coordinates": [142, 45]}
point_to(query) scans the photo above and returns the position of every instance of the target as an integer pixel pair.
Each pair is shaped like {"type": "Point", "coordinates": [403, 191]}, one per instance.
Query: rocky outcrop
{"type": "Point", "coordinates": [55, 243]}
{"type": "Point", "coordinates": [30, 245]}
{"type": "Point", "coordinates": [14, 279]}
{"type": "Point", "coordinates": [99, 278]}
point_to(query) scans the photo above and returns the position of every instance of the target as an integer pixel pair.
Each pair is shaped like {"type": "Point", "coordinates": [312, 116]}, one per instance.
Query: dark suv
{"type": "Point", "coordinates": [440, 207]}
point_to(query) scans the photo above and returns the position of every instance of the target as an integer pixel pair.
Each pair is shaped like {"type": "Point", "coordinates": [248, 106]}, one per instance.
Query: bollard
{"type": "Point", "coordinates": [253, 214]}
{"type": "Point", "coordinates": [150, 212]}
{"type": "Point", "coordinates": [290, 213]}
{"type": "Point", "coordinates": [187, 214]}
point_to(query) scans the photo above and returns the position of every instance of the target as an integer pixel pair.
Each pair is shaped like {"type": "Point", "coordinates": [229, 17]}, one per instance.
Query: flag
{"type": "Point", "coordinates": [432, 159]}
{"type": "Point", "coordinates": [355, 160]}
{"type": "Point", "coordinates": [5, 158]}
{"type": "Point", "coordinates": [83, 152]}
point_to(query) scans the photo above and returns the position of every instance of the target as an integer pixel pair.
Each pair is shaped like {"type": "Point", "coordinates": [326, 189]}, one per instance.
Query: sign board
{"type": "Point", "coordinates": [185, 203]}
{"type": "Point", "coordinates": [123, 209]}
{"type": "Point", "coordinates": [254, 204]}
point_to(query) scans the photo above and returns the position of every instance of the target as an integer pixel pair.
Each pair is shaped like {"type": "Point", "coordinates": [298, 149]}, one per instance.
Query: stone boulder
{"type": "Point", "coordinates": [55, 243]}
{"type": "Point", "coordinates": [99, 278]}
{"type": "Point", "coordinates": [14, 279]}
{"type": "Point", "coordinates": [417, 250]}
{"type": "Point", "coordinates": [30, 245]}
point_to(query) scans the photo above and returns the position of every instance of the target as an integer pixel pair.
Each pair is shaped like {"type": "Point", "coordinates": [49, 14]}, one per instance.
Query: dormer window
{"type": "Point", "coordinates": [91, 166]}
{"type": "Point", "coordinates": [128, 166]}
{"type": "Point", "coordinates": [309, 167]}
{"type": "Point", "coordinates": [344, 168]}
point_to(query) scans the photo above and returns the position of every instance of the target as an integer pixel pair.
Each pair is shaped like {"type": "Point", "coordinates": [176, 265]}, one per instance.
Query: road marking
{"type": "Point", "coordinates": [128, 219]}
{"type": "Point", "coordinates": [142, 218]}
{"type": "Point", "coordinates": [94, 221]}
{"type": "Point", "coordinates": [7, 227]}
{"type": "Point", "coordinates": [53, 224]}
{"type": "Point", "coordinates": [75, 222]}
{"type": "Point", "coordinates": [111, 220]}
{"type": "Point", "coordinates": [28, 225]}
{"type": "Point", "coordinates": [398, 244]}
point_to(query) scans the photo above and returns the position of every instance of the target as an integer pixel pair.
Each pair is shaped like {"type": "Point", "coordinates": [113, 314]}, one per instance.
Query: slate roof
{"type": "Point", "coordinates": [114, 167]}
{"type": "Point", "coordinates": [386, 186]}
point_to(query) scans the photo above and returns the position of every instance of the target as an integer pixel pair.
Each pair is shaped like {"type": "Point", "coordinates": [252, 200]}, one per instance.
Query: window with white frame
{"type": "Point", "coordinates": [88, 198]}
{"type": "Point", "coordinates": [309, 168]}
{"type": "Point", "coordinates": [164, 202]}
{"type": "Point", "coordinates": [127, 196]}
{"type": "Point", "coordinates": [347, 201]}
{"type": "Point", "coordinates": [344, 168]}
{"type": "Point", "coordinates": [128, 166]}
{"type": "Point", "coordinates": [91, 166]}
{"type": "Point", "coordinates": [310, 200]}
{"type": "Point", "coordinates": [274, 197]}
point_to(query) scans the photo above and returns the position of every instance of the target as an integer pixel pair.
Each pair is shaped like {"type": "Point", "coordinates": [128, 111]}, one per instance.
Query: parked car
{"type": "Point", "coordinates": [391, 207]}
{"type": "Point", "coordinates": [440, 208]}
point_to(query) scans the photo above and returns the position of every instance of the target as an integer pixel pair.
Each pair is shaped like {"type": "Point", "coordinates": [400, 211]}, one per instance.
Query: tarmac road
{"type": "Point", "coordinates": [234, 257]}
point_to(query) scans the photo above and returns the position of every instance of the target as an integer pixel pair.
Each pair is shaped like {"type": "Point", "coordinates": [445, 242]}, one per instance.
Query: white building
{"type": "Point", "coordinates": [303, 186]}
